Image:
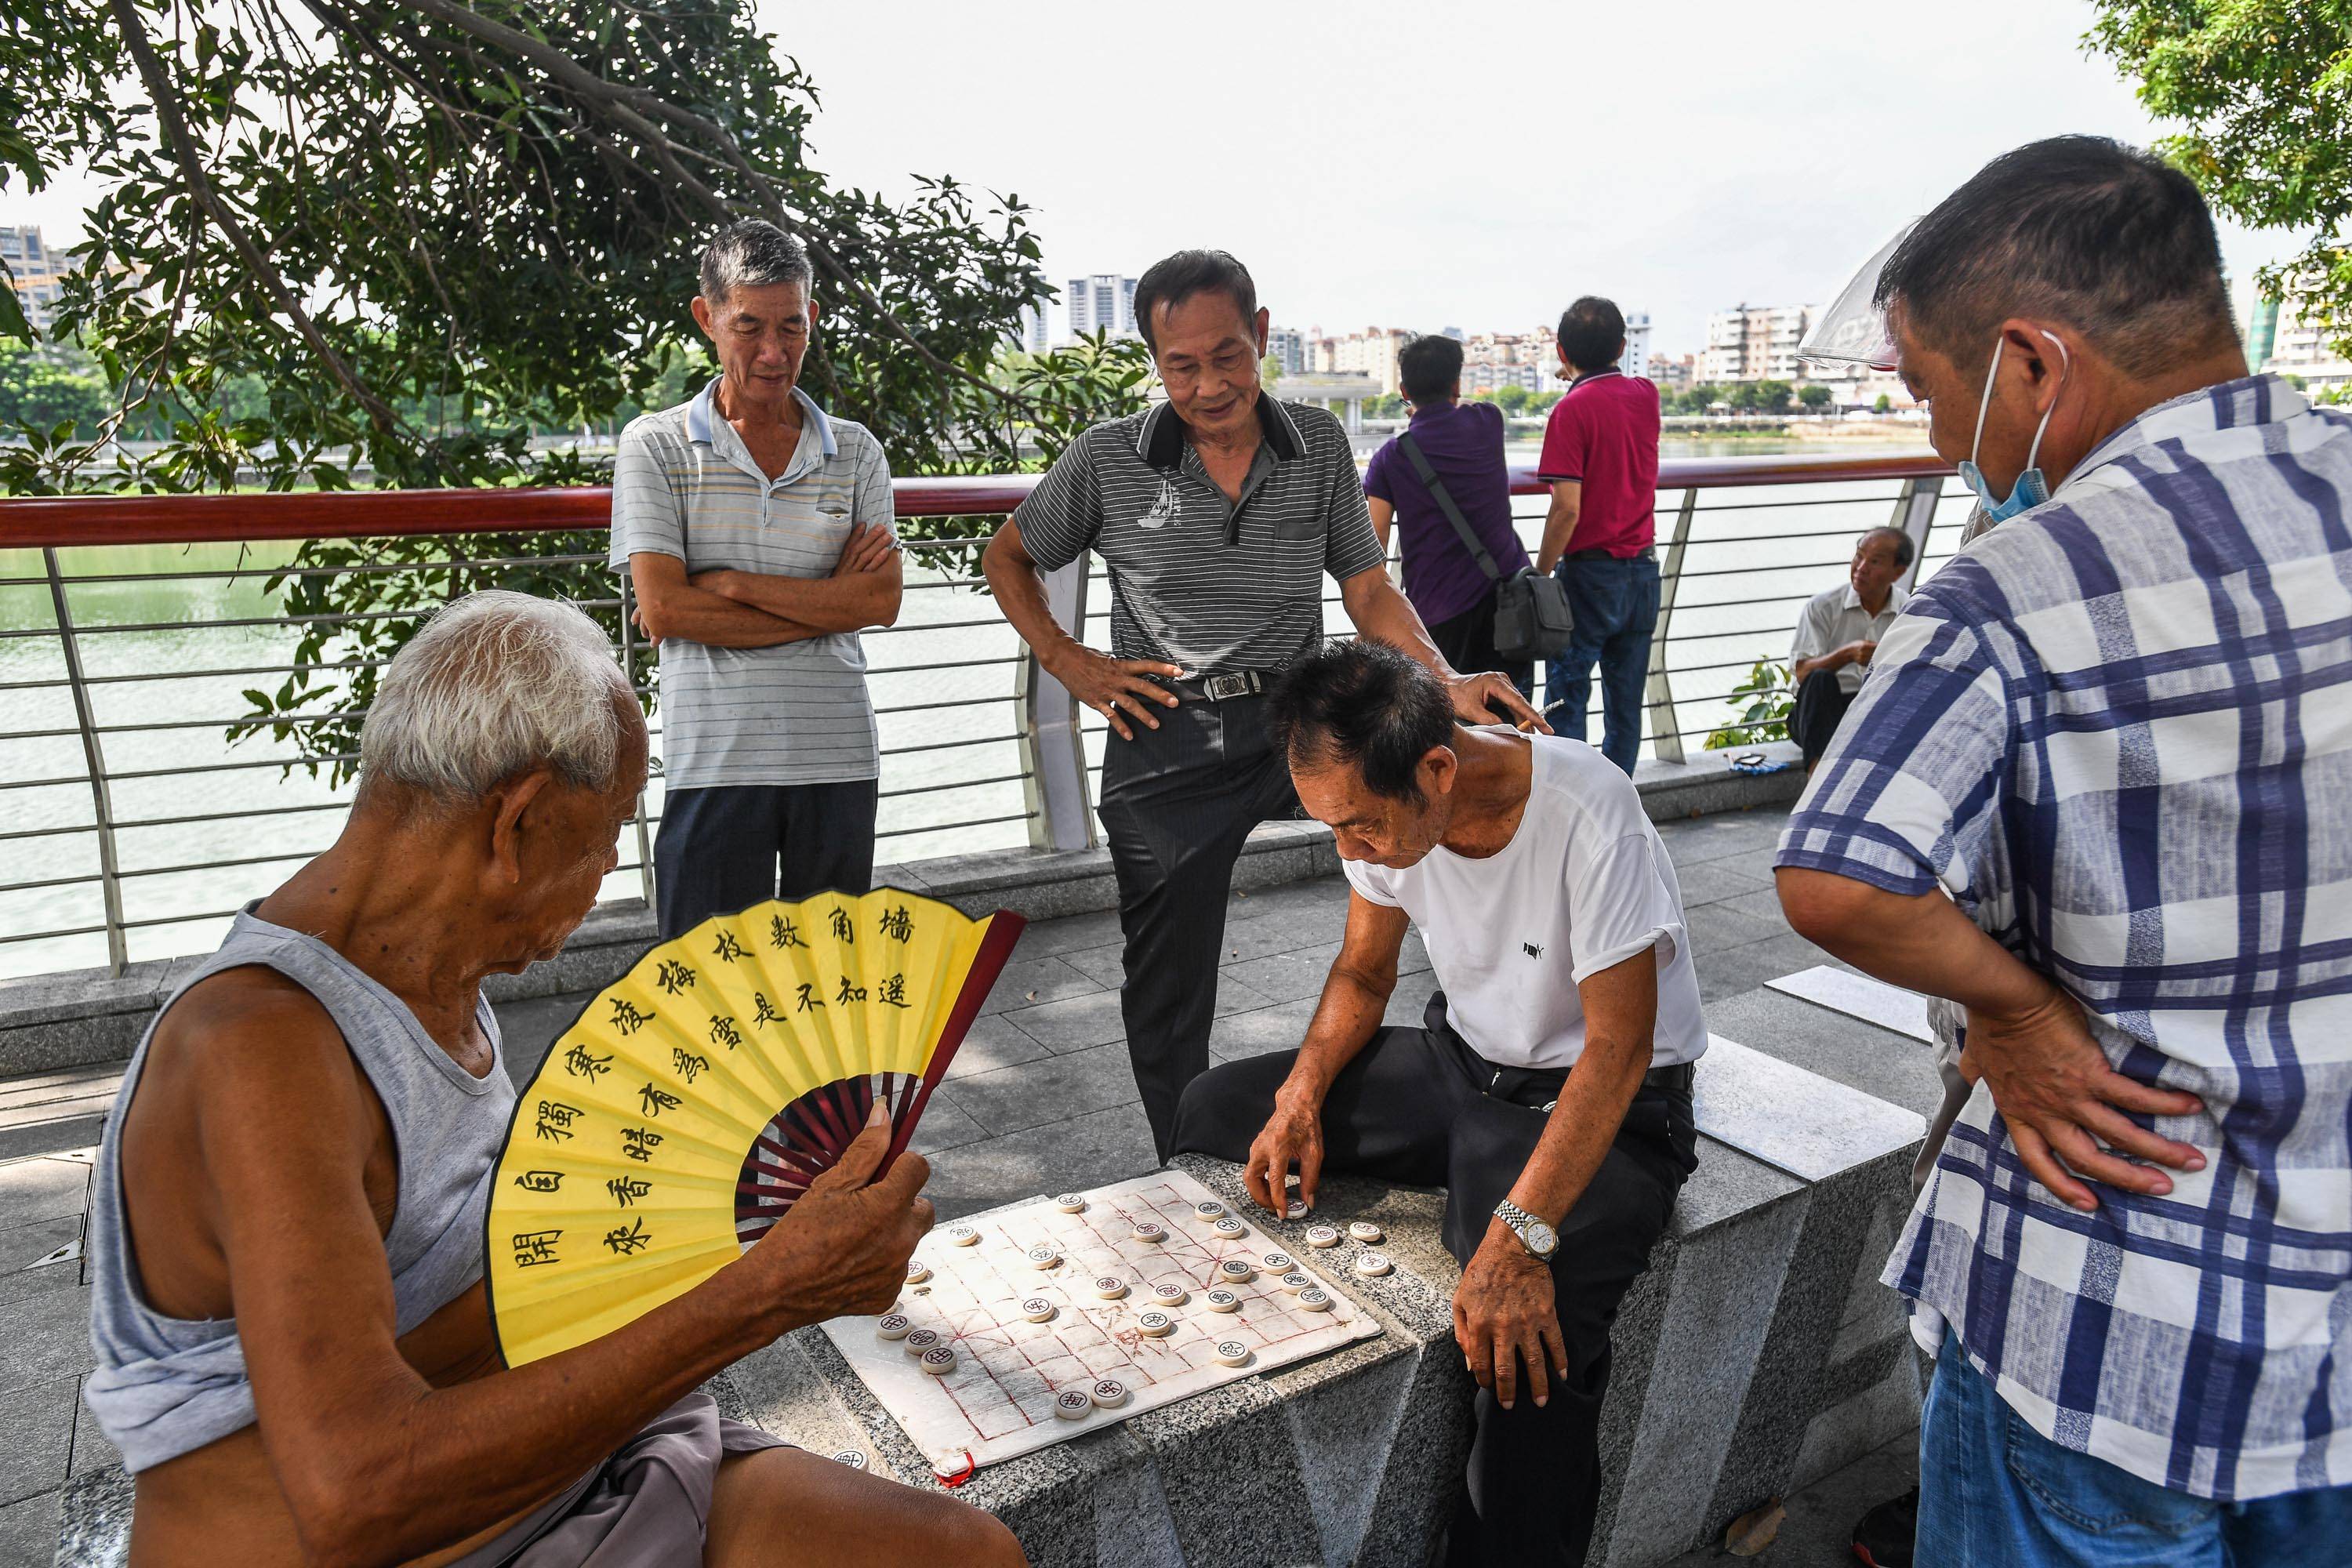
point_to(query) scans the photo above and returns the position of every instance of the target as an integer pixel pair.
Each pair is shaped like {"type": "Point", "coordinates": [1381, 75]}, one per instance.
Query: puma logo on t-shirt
{"type": "Point", "coordinates": [1534, 950]}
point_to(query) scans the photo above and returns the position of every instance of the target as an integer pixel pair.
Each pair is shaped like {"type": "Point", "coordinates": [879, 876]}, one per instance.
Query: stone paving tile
{"type": "Point", "coordinates": [1084, 1151]}
{"type": "Point", "coordinates": [1714, 928]}
{"type": "Point", "coordinates": [944, 1126]}
{"type": "Point", "coordinates": [42, 1189]}
{"type": "Point", "coordinates": [994, 1041]}
{"type": "Point", "coordinates": [91, 1449]}
{"type": "Point", "coordinates": [1276, 1029]}
{"type": "Point", "coordinates": [46, 1336]}
{"type": "Point", "coordinates": [1027, 982]}
{"type": "Point", "coordinates": [1723, 834]}
{"type": "Point", "coordinates": [1071, 933]}
{"type": "Point", "coordinates": [1724, 973]}
{"type": "Point", "coordinates": [1287, 976]}
{"type": "Point", "coordinates": [1036, 1094]}
{"type": "Point", "coordinates": [1081, 1023]}
{"type": "Point", "coordinates": [1711, 881]}
{"type": "Point", "coordinates": [1764, 904]}
{"type": "Point", "coordinates": [28, 1530]}
{"type": "Point", "coordinates": [37, 1423]}
{"type": "Point", "coordinates": [21, 1245]}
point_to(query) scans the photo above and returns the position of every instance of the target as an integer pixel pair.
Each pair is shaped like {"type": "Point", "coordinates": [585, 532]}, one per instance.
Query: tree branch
{"type": "Point", "coordinates": [622, 103]}
{"type": "Point", "coordinates": [174, 123]}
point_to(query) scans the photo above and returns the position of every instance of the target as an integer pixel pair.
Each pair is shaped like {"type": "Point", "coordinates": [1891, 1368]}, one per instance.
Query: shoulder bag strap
{"type": "Point", "coordinates": [1436, 489]}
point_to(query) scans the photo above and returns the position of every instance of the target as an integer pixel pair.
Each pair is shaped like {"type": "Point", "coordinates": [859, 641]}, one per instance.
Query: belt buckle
{"type": "Point", "coordinates": [1219, 686]}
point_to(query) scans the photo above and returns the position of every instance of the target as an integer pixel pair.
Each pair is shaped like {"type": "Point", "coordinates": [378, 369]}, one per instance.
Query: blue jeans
{"type": "Point", "coordinates": [1995, 1493]}
{"type": "Point", "coordinates": [1615, 603]}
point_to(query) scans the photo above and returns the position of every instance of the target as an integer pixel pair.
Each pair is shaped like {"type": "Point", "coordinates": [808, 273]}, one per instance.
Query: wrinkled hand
{"type": "Point", "coordinates": [1490, 699]}
{"type": "Point", "coordinates": [1294, 1131]}
{"type": "Point", "coordinates": [2062, 1100]}
{"type": "Point", "coordinates": [1861, 651]}
{"type": "Point", "coordinates": [868, 546]}
{"type": "Point", "coordinates": [1504, 1314]}
{"type": "Point", "coordinates": [1116, 688]}
{"type": "Point", "coordinates": [843, 1248]}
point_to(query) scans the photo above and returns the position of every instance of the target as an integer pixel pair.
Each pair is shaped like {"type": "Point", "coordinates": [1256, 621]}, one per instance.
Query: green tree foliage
{"type": "Point", "coordinates": [48, 386]}
{"type": "Point", "coordinates": [402, 234]}
{"type": "Point", "coordinates": [1815, 397]}
{"type": "Point", "coordinates": [1513, 399]}
{"type": "Point", "coordinates": [2264, 90]}
{"type": "Point", "coordinates": [1884, 405]}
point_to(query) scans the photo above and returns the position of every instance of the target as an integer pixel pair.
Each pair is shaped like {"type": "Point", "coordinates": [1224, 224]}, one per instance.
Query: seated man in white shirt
{"type": "Point", "coordinates": [1549, 1089]}
{"type": "Point", "coordinates": [1838, 632]}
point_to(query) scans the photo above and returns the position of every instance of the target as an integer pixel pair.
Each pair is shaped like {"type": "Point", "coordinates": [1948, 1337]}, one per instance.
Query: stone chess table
{"type": "Point", "coordinates": [1758, 1354]}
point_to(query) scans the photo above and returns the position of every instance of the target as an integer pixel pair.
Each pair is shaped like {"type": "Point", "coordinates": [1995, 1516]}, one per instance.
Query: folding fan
{"type": "Point", "coordinates": [692, 1103]}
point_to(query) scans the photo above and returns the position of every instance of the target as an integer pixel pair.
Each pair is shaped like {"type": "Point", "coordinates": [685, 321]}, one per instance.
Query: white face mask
{"type": "Point", "coordinates": [2030, 489]}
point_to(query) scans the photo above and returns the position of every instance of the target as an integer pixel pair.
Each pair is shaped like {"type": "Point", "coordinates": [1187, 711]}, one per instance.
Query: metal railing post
{"type": "Point", "coordinates": [110, 872]}
{"type": "Point", "coordinates": [1658, 696]}
{"type": "Point", "coordinates": [1053, 752]}
{"type": "Point", "coordinates": [629, 673]}
{"type": "Point", "coordinates": [1915, 514]}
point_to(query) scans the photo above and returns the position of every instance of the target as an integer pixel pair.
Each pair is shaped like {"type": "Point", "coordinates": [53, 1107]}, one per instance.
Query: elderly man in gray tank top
{"type": "Point", "coordinates": [293, 1344]}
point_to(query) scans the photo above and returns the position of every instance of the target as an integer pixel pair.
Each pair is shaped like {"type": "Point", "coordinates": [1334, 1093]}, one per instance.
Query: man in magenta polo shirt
{"type": "Point", "coordinates": [1464, 443]}
{"type": "Point", "coordinates": [1600, 458]}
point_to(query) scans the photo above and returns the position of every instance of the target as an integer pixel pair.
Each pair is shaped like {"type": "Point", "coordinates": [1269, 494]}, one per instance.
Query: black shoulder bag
{"type": "Point", "coordinates": [1531, 615]}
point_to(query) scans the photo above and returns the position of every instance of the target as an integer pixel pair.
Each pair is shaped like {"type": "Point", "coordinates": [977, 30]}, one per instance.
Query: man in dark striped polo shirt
{"type": "Point", "coordinates": [1217, 513]}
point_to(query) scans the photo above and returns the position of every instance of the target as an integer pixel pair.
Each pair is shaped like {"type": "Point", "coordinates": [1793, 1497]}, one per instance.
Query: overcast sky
{"type": "Point", "coordinates": [1455, 162]}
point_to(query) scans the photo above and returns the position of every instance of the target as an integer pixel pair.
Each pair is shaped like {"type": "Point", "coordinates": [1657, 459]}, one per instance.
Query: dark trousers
{"type": "Point", "coordinates": [1615, 603]}
{"type": "Point", "coordinates": [719, 850]}
{"type": "Point", "coordinates": [1177, 802]}
{"type": "Point", "coordinates": [1467, 641]}
{"type": "Point", "coordinates": [1418, 1106]}
{"type": "Point", "coordinates": [1821, 703]}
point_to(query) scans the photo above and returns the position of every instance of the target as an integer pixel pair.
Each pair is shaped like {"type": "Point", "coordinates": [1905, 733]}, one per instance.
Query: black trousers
{"type": "Point", "coordinates": [1467, 641]}
{"type": "Point", "coordinates": [1419, 1106]}
{"type": "Point", "coordinates": [1821, 703]}
{"type": "Point", "coordinates": [719, 849]}
{"type": "Point", "coordinates": [1177, 802]}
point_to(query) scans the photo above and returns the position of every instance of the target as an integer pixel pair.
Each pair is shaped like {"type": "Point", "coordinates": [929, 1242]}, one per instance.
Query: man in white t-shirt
{"type": "Point", "coordinates": [1549, 1089]}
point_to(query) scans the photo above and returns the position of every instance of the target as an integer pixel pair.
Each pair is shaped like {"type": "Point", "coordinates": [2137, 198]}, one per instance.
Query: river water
{"type": "Point", "coordinates": [1755, 555]}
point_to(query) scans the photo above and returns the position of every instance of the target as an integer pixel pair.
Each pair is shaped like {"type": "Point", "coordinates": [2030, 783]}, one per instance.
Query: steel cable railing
{"type": "Point", "coordinates": [130, 627]}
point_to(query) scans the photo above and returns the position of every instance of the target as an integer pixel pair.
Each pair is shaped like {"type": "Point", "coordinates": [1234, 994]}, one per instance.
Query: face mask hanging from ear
{"type": "Point", "coordinates": [2032, 490]}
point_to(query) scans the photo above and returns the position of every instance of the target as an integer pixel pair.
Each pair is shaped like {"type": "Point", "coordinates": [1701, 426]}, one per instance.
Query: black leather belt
{"type": "Point", "coordinates": [1679, 1079]}
{"type": "Point", "coordinates": [1222, 687]}
{"type": "Point", "coordinates": [1647, 553]}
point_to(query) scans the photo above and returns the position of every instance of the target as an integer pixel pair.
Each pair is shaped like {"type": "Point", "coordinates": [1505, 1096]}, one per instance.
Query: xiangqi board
{"type": "Point", "coordinates": [1011, 1366]}
{"type": "Point", "coordinates": [691, 1103]}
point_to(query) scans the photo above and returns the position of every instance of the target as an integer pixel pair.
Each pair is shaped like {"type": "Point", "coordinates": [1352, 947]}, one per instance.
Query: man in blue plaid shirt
{"type": "Point", "coordinates": [2097, 791]}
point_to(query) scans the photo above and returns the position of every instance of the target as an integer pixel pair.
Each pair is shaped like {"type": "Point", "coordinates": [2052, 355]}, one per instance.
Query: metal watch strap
{"type": "Point", "coordinates": [1519, 1219]}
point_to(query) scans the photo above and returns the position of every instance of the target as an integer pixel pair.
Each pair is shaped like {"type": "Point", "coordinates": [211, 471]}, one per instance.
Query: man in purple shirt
{"type": "Point", "coordinates": [1463, 444]}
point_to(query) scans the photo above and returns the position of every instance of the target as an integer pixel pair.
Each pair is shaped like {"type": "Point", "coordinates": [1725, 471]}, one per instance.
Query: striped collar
{"type": "Point", "coordinates": [1604, 373]}
{"type": "Point", "coordinates": [699, 414]}
{"type": "Point", "coordinates": [1160, 439]}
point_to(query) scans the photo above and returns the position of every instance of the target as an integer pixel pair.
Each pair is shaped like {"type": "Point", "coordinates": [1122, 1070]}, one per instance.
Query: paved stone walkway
{"type": "Point", "coordinates": [1039, 1099]}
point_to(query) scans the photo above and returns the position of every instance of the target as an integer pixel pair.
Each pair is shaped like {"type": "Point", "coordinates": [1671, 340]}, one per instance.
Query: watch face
{"type": "Point", "coordinates": [1541, 1236]}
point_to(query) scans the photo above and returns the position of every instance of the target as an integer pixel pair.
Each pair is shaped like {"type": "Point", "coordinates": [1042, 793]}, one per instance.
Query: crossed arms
{"type": "Point", "coordinates": [756, 609]}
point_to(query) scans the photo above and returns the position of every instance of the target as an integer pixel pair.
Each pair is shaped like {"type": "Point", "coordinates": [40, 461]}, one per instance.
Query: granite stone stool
{"type": "Point", "coordinates": [1758, 1354]}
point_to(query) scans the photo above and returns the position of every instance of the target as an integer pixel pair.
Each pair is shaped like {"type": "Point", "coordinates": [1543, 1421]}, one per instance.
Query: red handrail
{"type": "Point", "coordinates": [37, 521]}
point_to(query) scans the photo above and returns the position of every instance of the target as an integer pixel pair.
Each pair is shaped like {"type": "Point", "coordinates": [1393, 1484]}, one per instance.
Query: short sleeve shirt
{"type": "Point", "coordinates": [1464, 443]}
{"type": "Point", "coordinates": [1834, 617]}
{"type": "Point", "coordinates": [1604, 435]}
{"type": "Point", "coordinates": [1205, 585]}
{"type": "Point", "coordinates": [685, 485]}
{"type": "Point", "coordinates": [1584, 885]}
{"type": "Point", "coordinates": [2115, 730]}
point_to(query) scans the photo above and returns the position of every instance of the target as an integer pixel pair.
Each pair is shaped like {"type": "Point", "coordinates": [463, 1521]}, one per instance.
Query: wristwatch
{"type": "Point", "coordinates": [1541, 1240]}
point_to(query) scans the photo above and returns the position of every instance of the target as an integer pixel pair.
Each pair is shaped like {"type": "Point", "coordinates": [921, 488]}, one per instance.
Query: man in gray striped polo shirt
{"type": "Point", "coordinates": [1217, 513]}
{"type": "Point", "coordinates": [758, 536]}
